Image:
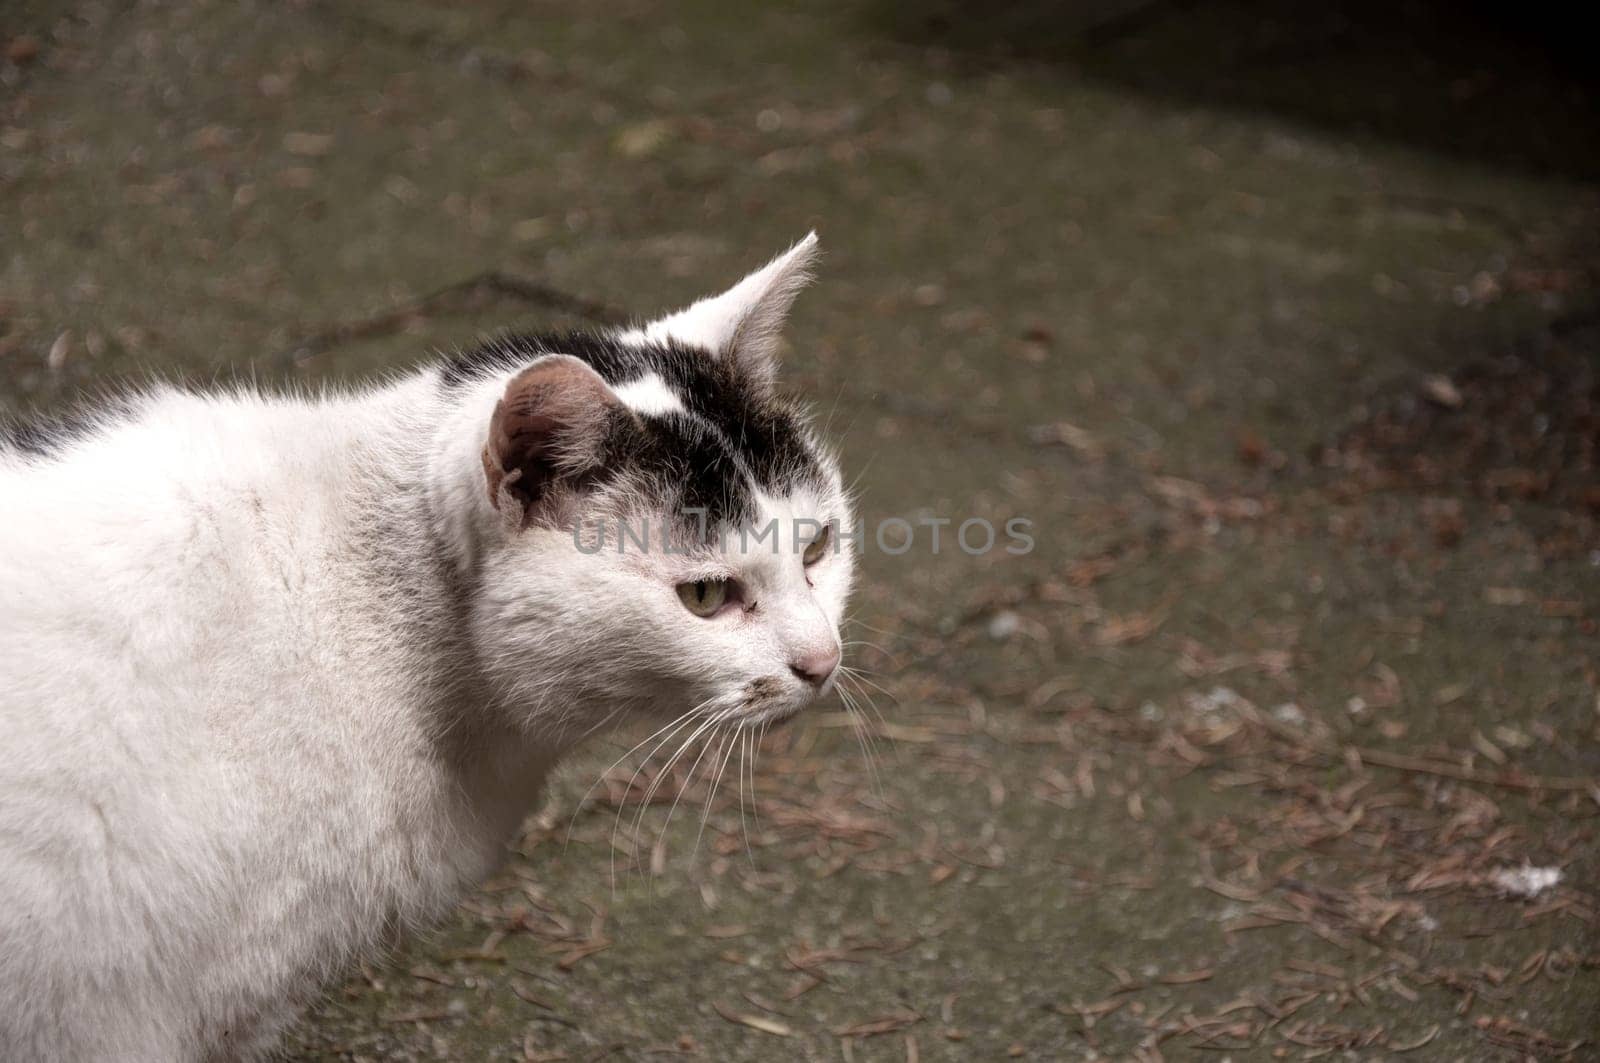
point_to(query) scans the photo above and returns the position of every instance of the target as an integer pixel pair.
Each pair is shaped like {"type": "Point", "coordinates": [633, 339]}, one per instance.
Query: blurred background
{"type": "Point", "coordinates": [1279, 323]}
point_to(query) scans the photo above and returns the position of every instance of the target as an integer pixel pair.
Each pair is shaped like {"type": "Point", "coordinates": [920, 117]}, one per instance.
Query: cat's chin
{"type": "Point", "coordinates": [775, 716]}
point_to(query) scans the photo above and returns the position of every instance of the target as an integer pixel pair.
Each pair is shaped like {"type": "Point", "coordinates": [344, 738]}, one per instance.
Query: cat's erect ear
{"type": "Point", "coordinates": [744, 322]}
{"type": "Point", "coordinates": [547, 437]}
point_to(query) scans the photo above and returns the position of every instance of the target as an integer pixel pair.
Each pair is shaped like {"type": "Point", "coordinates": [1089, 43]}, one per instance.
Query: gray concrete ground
{"type": "Point", "coordinates": [1288, 353]}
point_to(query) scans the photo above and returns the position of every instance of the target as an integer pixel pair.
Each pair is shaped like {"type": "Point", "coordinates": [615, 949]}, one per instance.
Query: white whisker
{"type": "Point", "coordinates": [689, 779]}
{"type": "Point", "coordinates": [863, 739]}
{"type": "Point", "coordinates": [711, 795]}
{"type": "Point", "coordinates": [745, 734]}
{"type": "Point", "coordinates": [602, 776]}
{"type": "Point", "coordinates": [676, 726]}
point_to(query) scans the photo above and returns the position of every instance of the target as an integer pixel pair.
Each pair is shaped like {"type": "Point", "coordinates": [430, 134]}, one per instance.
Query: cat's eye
{"type": "Point", "coordinates": [817, 547]}
{"type": "Point", "coordinates": [704, 597]}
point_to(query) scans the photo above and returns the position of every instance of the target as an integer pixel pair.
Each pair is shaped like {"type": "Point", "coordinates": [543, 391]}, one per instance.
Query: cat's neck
{"type": "Point", "coordinates": [419, 519]}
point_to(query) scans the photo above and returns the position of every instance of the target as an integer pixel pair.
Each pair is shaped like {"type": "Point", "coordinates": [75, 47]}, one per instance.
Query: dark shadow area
{"type": "Point", "coordinates": [1519, 428]}
{"type": "Point", "coordinates": [1503, 84]}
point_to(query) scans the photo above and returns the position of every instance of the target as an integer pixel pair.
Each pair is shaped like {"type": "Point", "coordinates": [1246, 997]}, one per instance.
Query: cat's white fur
{"type": "Point", "coordinates": [649, 394]}
{"type": "Point", "coordinates": [278, 681]}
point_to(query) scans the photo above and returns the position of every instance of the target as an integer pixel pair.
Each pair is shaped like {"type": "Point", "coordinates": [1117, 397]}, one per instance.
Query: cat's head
{"type": "Point", "coordinates": [668, 530]}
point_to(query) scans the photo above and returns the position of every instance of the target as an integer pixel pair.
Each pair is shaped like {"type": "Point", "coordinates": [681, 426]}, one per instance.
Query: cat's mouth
{"type": "Point", "coordinates": [766, 701]}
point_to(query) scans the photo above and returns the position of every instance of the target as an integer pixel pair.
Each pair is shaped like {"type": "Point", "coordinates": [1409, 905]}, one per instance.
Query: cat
{"type": "Point", "coordinates": [281, 675]}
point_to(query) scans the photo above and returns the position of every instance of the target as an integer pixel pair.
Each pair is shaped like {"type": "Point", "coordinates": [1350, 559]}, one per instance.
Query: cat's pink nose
{"type": "Point", "coordinates": [815, 668]}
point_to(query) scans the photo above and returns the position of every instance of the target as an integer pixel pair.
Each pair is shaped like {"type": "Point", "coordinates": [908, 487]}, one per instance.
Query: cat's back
{"type": "Point", "coordinates": [153, 465]}
{"type": "Point", "coordinates": [168, 559]}
{"type": "Point", "coordinates": [176, 497]}
{"type": "Point", "coordinates": [135, 554]}
{"type": "Point", "coordinates": [128, 544]}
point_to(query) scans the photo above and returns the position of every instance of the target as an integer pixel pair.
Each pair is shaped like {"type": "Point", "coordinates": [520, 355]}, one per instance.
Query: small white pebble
{"type": "Point", "coordinates": [1003, 625]}
{"type": "Point", "coordinates": [1215, 700]}
{"type": "Point", "coordinates": [1289, 713]}
{"type": "Point", "coordinates": [59, 350]}
{"type": "Point", "coordinates": [1526, 881]}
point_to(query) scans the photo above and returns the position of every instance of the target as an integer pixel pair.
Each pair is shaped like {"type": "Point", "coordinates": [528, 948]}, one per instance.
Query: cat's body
{"type": "Point", "coordinates": [232, 754]}
{"type": "Point", "coordinates": [279, 677]}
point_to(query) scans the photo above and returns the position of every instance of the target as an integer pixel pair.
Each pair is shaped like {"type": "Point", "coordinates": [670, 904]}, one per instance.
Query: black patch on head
{"type": "Point", "coordinates": [676, 453]}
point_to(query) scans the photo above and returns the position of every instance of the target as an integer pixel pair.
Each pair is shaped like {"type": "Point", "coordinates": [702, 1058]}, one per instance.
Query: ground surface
{"type": "Point", "coordinates": [1281, 335]}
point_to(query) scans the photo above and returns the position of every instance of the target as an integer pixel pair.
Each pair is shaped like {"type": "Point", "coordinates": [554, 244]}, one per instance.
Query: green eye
{"type": "Point", "coordinates": [703, 597]}
{"type": "Point", "coordinates": [817, 547]}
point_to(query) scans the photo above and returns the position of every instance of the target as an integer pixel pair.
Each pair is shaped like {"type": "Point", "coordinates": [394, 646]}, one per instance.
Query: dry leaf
{"type": "Point", "coordinates": [1441, 389]}
{"type": "Point", "coordinates": [874, 1027]}
{"type": "Point", "coordinates": [311, 144]}
{"type": "Point", "coordinates": [755, 1022]}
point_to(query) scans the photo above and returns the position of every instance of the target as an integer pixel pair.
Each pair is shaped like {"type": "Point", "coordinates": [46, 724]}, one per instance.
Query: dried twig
{"type": "Point", "coordinates": [1511, 780]}
{"type": "Point", "coordinates": [458, 298]}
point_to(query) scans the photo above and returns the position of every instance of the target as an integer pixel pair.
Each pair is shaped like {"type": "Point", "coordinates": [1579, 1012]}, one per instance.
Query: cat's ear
{"type": "Point", "coordinates": [744, 322]}
{"type": "Point", "coordinates": [546, 437]}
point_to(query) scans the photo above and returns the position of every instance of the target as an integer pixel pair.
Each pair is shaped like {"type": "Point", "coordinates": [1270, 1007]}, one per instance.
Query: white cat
{"type": "Point", "coordinates": [279, 676]}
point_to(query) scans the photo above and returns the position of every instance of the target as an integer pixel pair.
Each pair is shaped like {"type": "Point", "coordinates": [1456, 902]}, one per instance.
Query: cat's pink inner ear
{"type": "Point", "coordinates": [547, 432]}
